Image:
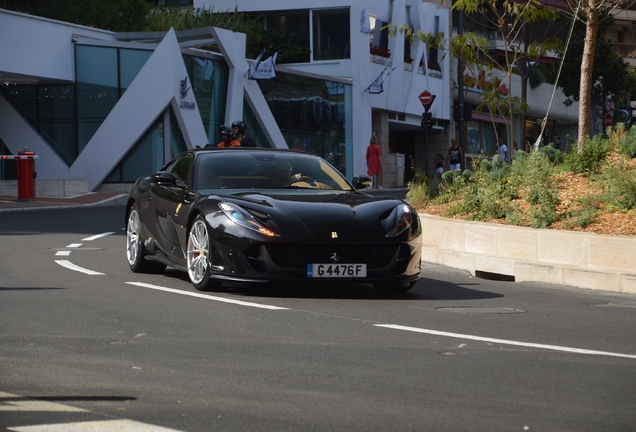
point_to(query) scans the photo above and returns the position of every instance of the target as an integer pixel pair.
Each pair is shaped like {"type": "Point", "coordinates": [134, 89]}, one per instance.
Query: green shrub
{"type": "Point", "coordinates": [628, 146]}
{"type": "Point", "coordinates": [553, 154]}
{"type": "Point", "coordinates": [619, 184]}
{"type": "Point", "coordinates": [418, 193]}
{"type": "Point", "coordinates": [593, 154]}
{"type": "Point", "coordinates": [580, 218]}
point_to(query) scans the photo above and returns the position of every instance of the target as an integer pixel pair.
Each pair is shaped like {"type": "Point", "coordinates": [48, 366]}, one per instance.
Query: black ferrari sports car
{"type": "Point", "coordinates": [254, 215]}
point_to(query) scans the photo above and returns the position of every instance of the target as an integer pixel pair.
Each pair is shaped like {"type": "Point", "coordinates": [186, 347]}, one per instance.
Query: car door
{"type": "Point", "coordinates": [170, 207]}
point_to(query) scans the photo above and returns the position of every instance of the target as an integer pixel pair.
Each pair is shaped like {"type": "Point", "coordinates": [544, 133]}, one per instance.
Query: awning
{"type": "Point", "coordinates": [489, 117]}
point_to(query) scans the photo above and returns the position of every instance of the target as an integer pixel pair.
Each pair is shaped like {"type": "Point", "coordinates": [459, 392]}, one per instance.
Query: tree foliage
{"type": "Point", "coordinates": [518, 25]}
{"type": "Point", "coordinates": [592, 13]}
{"type": "Point", "coordinates": [114, 15]}
{"type": "Point", "coordinates": [611, 75]}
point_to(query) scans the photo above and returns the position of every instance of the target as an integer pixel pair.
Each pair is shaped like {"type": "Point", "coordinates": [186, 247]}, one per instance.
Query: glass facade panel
{"type": "Point", "coordinates": [147, 156]}
{"type": "Point", "coordinates": [331, 34]}
{"type": "Point", "coordinates": [481, 139]}
{"type": "Point", "coordinates": [130, 63]}
{"type": "Point", "coordinates": [290, 31]}
{"type": "Point", "coordinates": [97, 88]}
{"type": "Point", "coordinates": [209, 83]}
{"type": "Point", "coordinates": [178, 144]}
{"type": "Point", "coordinates": [57, 119]}
{"type": "Point", "coordinates": [252, 128]}
{"type": "Point", "coordinates": [312, 112]}
{"type": "Point", "coordinates": [23, 99]}
{"type": "Point", "coordinates": [8, 168]}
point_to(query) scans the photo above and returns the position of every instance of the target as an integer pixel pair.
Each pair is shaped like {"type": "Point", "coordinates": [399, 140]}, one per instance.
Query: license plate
{"type": "Point", "coordinates": [336, 270]}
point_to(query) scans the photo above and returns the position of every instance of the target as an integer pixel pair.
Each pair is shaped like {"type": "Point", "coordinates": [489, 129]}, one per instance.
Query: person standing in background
{"type": "Point", "coordinates": [238, 128]}
{"type": "Point", "coordinates": [374, 167]}
{"type": "Point", "coordinates": [455, 156]}
{"type": "Point", "coordinates": [439, 166]}
{"type": "Point", "coordinates": [227, 139]}
{"type": "Point", "coordinates": [503, 150]}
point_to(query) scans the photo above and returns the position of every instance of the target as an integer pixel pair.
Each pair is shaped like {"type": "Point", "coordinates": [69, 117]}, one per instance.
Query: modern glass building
{"type": "Point", "coordinates": [131, 102]}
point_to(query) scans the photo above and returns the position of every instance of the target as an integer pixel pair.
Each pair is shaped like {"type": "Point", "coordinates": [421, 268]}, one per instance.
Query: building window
{"type": "Point", "coordinates": [56, 112]}
{"type": "Point", "coordinates": [287, 34]}
{"type": "Point", "coordinates": [379, 36]}
{"type": "Point", "coordinates": [331, 34]}
{"type": "Point", "coordinates": [97, 88]}
{"type": "Point", "coordinates": [481, 139]}
{"type": "Point", "coordinates": [209, 83]}
{"type": "Point", "coordinates": [315, 113]}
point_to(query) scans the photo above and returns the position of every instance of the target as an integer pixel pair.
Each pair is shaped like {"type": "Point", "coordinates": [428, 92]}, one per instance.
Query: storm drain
{"type": "Point", "coordinates": [478, 310]}
{"type": "Point", "coordinates": [494, 276]}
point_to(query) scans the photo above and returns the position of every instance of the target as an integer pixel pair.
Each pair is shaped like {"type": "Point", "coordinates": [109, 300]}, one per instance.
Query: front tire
{"type": "Point", "coordinates": [199, 256]}
{"type": "Point", "coordinates": [135, 252]}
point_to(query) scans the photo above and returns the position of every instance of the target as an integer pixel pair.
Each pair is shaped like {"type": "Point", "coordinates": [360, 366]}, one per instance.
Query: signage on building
{"type": "Point", "coordinates": [184, 88]}
{"type": "Point", "coordinates": [263, 69]}
{"type": "Point", "coordinates": [364, 21]}
{"type": "Point", "coordinates": [377, 86]}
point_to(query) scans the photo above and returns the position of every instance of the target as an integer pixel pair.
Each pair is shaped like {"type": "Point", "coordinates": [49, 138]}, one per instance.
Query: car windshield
{"type": "Point", "coordinates": [239, 169]}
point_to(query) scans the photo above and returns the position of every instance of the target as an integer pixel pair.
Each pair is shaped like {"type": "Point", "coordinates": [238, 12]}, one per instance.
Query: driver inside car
{"type": "Point", "coordinates": [281, 175]}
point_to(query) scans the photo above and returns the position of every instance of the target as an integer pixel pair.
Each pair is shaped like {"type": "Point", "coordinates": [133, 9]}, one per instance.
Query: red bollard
{"type": "Point", "coordinates": [26, 175]}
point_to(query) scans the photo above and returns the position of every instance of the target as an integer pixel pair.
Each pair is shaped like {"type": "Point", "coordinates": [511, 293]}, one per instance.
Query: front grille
{"type": "Point", "coordinates": [298, 256]}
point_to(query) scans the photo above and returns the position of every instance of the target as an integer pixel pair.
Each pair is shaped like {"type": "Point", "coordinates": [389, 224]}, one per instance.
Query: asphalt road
{"type": "Point", "coordinates": [85, 343]}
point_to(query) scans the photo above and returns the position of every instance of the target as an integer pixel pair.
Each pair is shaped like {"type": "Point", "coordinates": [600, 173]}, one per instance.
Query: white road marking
{"type": "Point", "coordinates": [504, 341]}
{"type": "Point", "coordinates": [96, 426]}
{"type": "Point", "coordinates": [96, 236]}
{"type": "Point", "coordinates": [34, 405]}
{"type": "Point", "coordinates": [25, 404]}
{"type": "Point", "coordinates": [205, 296]}
{"type": "Point", "coordinates": [74, 245]}
{"type": "Point", "coordinates": [71, 266]}
{"type": "Point", "coordinates": [62, 253]}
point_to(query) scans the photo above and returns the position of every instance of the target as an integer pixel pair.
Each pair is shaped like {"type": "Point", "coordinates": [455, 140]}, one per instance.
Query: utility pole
{"type": "Point", "coordinates": [460, 86]}
{"type": "Point", "coordinates": [426, 98]}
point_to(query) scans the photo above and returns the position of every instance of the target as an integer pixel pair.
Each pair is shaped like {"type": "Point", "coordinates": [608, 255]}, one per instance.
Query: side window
{"type": "Point", "coordinates": [182, 168]}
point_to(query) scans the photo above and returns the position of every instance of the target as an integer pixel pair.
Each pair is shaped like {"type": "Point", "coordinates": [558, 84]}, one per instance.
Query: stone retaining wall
{"type": "Point", "coordinates": [584, 260]}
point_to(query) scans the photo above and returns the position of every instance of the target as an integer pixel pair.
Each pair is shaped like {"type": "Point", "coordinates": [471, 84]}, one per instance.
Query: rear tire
{"type": "Point", "coordinates": [198, 256]}
{"type": "Point", "coordinates": [135, 252]}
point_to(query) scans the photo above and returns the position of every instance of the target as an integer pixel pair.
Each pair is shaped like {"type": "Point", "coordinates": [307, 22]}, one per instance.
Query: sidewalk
{"type": "Point", "coordinates": [11, 203]}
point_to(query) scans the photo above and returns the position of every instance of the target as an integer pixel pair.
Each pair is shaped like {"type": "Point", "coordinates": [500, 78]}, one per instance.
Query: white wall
{"type": "Point", "coordinates": [401, 88]}
{"type": "Point", "coordinates": [41, 47]}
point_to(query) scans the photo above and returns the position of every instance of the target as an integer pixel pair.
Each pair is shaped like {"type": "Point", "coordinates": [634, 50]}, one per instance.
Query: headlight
{"type": "Point", "coordinates": [241, 217]}
{"type": "Point", "coordinates": [403, 220]}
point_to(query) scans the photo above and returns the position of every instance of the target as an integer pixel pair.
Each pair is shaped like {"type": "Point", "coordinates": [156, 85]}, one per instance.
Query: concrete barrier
{"type": "Point", "coordinates": [584, 260]}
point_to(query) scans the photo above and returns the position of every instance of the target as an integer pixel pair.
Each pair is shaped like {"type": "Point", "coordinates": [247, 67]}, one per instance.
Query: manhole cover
{"type": "Point", "coordinates": [477, 310]}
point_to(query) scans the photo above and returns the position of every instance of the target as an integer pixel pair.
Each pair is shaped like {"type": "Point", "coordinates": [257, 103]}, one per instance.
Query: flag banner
{"type": "Point", "coordinates": [376, 86]}
{"type": "Point", "coordinates": [263, 70]}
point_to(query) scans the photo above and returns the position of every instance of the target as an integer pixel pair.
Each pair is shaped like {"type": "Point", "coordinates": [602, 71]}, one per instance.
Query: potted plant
{"type": "Point", "coordinates": [381, 55]}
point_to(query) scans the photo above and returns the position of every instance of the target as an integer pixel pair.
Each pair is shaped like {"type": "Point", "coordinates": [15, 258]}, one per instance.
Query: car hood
{"type": "Point", "coordinates": [350, 216]}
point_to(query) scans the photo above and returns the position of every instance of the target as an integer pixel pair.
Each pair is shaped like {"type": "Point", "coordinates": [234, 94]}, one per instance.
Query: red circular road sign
{"type": "Point", "coordinates": [608, 121]}
{"type": "Point", "coordinates": [426, 97]}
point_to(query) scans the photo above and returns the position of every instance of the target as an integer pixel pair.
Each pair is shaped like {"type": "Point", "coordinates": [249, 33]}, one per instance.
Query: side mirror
{"type": "Point", "coordinates": [164, 178]}
{"type": "Point", "coordinates": [362, 182]}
